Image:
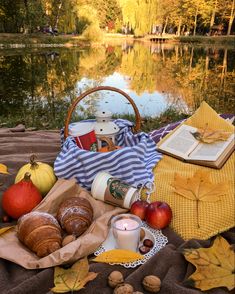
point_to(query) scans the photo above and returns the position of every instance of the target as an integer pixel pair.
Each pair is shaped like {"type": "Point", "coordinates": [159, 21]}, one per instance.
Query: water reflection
{"type": "Point", "coordinates": [37, 86]}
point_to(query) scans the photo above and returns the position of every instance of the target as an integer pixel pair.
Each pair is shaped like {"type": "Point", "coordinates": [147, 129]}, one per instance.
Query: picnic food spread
{"type": "Point", "coordinates": [28, 196]}
{"type": "Point", "coordinates": [41, 174]}
{"type": "Point", "coordinates": [40, 232]}
{"type": "Point", "coordinates": [75, 215]}
{"type": "Point", "coordinates": [66, 221]}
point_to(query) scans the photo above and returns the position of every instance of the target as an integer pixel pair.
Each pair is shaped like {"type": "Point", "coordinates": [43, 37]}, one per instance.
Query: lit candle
{"type": "Point", "coordinates": [126, 231]}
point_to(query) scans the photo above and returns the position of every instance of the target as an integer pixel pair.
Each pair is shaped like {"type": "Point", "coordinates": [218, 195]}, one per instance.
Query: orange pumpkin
{"type": "Point", "coordinates": [110, 146]}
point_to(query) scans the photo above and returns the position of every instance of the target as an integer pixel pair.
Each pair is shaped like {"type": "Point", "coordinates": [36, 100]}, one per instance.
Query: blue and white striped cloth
{"type": "Point", "coordinates": [133, 164]}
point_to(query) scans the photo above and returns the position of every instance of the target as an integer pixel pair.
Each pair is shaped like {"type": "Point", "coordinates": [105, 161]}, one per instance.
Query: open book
{"type": "Point", "coordinates": [182, 144]}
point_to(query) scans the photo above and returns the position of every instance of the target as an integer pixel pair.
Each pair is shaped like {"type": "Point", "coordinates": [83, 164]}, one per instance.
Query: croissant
{"type": "Point", "coordinates": [75, 215]}
{"type": "Point", "coordinates": [40, 232]}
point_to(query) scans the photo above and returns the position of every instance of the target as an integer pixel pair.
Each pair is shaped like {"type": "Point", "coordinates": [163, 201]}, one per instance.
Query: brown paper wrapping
{"type": "Point", "coordinates": [13, 250]}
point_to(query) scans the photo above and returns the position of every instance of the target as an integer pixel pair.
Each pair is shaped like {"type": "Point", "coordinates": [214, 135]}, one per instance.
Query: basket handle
{"type": "Point", "coordinates": [101, 88]}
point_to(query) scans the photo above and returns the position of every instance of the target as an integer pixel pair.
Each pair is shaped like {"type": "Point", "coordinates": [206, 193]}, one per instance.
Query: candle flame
{"type": "Point", "coordinates": [125, 226]}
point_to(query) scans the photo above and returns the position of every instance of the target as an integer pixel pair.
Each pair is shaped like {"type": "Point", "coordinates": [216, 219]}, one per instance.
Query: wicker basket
{"type": "Point", "coordinates": [137, 126]}
{"type": "Point", "coordinates": [133, 163]}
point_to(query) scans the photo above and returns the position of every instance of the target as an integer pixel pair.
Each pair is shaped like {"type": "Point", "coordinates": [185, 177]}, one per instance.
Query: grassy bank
{"type": "Point", "coordinates": [148, 123]}
{"type": "Point", "coordinates": [45, 40]}
{"type": "Point", "coordinates": [40, 39]}
{"type": "Point", "coordinates": [220, 40]}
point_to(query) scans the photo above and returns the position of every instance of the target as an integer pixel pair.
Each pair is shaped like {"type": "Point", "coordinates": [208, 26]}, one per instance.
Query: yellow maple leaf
{"type": "Point", "coordinates": [215, 266]}
{"type": "Point", "coordinates": [199, 188]}
{"type": "Point", "coordinates": [118, 256]}
{"type": "Point", "coordinates": [74, 278]}
{"type": "Point", "coordinates": [3, 169]}
{"type": "Point", "coordinates": [5, 229]}
{"type": "Point", "coordinates": [209, 136]}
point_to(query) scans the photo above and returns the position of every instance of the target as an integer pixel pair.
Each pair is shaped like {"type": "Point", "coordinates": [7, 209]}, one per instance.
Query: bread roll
{"type": "Point", "coordinates": [75, 215]}
{"type": "Point", "coordinates": [40, 232]}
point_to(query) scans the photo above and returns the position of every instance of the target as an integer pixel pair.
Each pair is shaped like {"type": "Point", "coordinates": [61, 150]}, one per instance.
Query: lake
{"type": "Point", "coordinates": [38, 85]}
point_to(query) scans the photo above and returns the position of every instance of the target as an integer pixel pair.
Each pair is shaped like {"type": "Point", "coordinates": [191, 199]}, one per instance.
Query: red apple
{"type": "Point", "coordinates": [139, 208]}
{"type": "Point", "coordinates": [158, 215]}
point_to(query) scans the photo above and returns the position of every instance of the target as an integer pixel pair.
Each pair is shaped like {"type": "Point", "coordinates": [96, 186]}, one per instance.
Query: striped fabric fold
{"type": "Point", "coordinates": [133, 163]}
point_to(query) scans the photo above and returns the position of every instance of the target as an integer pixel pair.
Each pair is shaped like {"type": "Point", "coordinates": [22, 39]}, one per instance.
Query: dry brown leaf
{"type": "Point", "coordinates": [5, 229]}
{"type": "Point", "coordinates": [199, 188]}
{"type": "Point", "coordinates": [215, 266]}
{"type": "Point", "coordinates": [210, 136]}
{"type": "Point", "coordinates": [118, 256]}
{"type": "Point", "coordinates": [3, 169]}
{"type": "Point", "coordinates": [74, 278]}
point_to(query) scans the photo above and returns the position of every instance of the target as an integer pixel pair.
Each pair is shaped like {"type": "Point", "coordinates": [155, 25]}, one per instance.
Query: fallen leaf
{"type": "Point", "coordinates": [118, 256]}
{"type": "Point", "coordinates": [3, 169]}
{"type": "Point", "coordinates": [210, 136]}
{"type": "Point", "coordinates": [5, 229]}
{"type": "Point", "coordinates": [215, 266]}
{"type": "Point", "coordinates": [199, 188]}
{"type": "Point", "coordinates": [74, 278]}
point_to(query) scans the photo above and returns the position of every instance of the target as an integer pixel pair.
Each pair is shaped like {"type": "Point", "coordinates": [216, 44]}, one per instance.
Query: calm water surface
{"type": "Point", "coordinates": [38, 85]}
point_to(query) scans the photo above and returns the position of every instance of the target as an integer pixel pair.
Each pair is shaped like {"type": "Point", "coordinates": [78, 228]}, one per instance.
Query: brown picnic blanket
{"type": "Point", "coordinates": [168, 264]}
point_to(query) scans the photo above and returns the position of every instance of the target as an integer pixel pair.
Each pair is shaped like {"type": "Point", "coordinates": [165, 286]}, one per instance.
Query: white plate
{"type": "Point", "coordinates": [159, 241]}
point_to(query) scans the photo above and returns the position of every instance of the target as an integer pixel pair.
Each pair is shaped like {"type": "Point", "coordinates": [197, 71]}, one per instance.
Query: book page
{"type": "Point", "coordinates": [210, 152]}
{"type": "Point", "coordinates": [181, 142]}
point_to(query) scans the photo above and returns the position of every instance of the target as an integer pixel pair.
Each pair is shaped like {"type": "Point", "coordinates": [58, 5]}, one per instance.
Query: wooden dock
{"type": "Point", "coordinates": [159, 38]}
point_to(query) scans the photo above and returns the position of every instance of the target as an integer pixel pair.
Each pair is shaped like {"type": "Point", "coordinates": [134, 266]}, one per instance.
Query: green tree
{"type": "Point", "coordinates": [11, 16]}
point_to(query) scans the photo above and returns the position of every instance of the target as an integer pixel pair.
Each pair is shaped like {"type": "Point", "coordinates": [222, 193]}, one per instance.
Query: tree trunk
{"type": "Point", "coordinates": [179, 26]}
{"type": "Point", "coordinates": [58, 15]}
{"type": "Point", "coordinates": [195, 22]}
{"type": "Point", "coordinates": [206, 69]}
{"type": "Point", "coordinates": [33, 110]}
{"type": "Point", "coordinates": [224, 71]}
{"type": "Point", "coordinates": [191, 60]}
{"type": "Point", "coordinates": [213, 16]}
{"type": "Point", "coordinates": [165, 25]}
{"type": "Point", "coordinates": [176, 53]}
{"type": "Point", "coordinates": [26, 24]}
{"type": "Point", "coordinates": [163, 54]}
{"type": "Point", "coordinates": [231, 19]}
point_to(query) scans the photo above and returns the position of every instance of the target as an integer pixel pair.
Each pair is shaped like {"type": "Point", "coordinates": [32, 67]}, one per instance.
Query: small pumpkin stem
{"type": "Point", "coordinates": [27, 177]}
{"type": "Point", "coordinates": [33, 162]}
{"type": "Point", "coordinates": [111, 146]}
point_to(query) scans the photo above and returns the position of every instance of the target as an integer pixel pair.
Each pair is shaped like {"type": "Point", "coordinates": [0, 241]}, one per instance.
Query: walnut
{"type": "Point", "coordinates": [142, 234]}
{"type": "Point", "coordinates": [152, 283]}
{"type": "Point", "coordinates": [123, 289]}
{"type": "Point", "coordinates": [68, 239]}
{"type": "Point", "coordinates": [137, 292]}
{"type": "Point", "coordinates": [115, 278]}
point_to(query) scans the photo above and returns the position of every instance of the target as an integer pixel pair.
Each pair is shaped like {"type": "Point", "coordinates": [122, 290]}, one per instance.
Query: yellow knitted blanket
{"type": "Point", "coordinates": [214, 217]}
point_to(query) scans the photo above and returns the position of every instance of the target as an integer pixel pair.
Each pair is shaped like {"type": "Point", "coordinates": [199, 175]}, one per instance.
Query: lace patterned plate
{"type": "Point", "coordinates": [159, 241]}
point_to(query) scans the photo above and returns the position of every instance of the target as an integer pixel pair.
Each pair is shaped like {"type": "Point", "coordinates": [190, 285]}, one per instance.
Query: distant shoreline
{"type": "Point", "coordinates": [39, 40]}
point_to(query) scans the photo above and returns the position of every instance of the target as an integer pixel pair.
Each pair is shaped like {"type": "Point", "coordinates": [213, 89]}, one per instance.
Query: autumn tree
{"type": "Point", "coordinates": [231, 16]}
{"type": "Point", "coordinates": [139, 15]}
